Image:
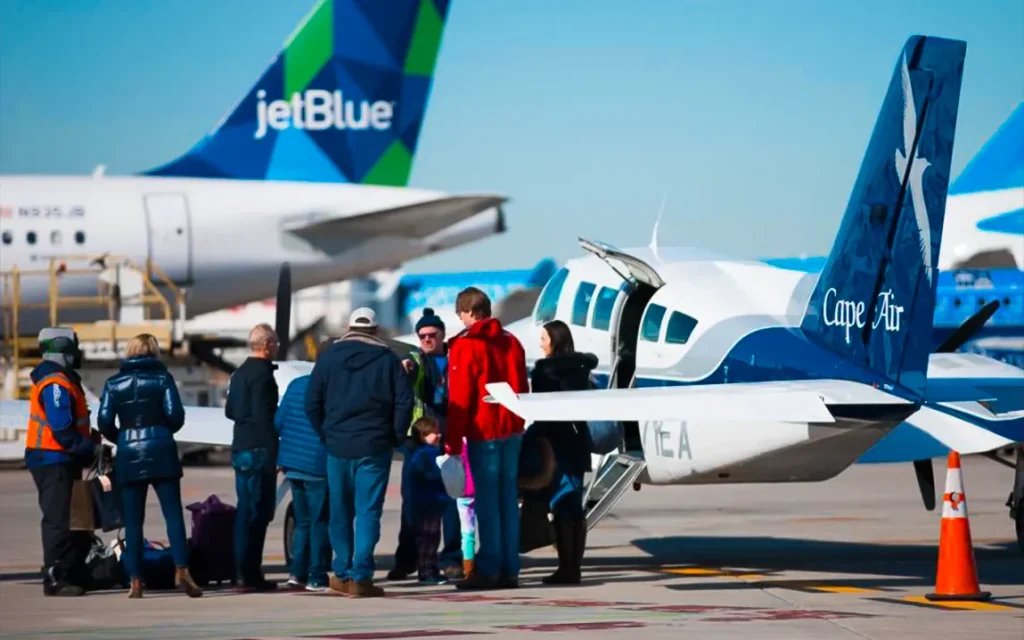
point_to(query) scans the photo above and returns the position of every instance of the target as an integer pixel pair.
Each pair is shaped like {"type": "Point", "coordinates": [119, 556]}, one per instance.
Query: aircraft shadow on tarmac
{"type": "Point", "coordinates": [759, 561]}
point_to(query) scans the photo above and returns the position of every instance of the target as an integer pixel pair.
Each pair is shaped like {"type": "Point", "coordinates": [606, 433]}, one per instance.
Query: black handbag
{"type": "Point", "coordinates": [106, 503]}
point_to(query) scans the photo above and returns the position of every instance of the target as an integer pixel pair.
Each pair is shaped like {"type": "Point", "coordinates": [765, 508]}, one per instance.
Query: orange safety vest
{"type": "Point", "coordinates": [40, 434]}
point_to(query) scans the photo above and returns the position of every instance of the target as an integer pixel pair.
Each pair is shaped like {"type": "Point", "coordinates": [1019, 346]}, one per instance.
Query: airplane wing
{"type": "Point", "coordinates": [800, 401]}
{"type": "Point", "coordinates": [418, 220]}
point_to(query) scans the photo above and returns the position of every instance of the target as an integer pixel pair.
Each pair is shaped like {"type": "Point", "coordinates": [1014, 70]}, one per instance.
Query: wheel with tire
{"type": "Point", "coordinates": [289, 531]}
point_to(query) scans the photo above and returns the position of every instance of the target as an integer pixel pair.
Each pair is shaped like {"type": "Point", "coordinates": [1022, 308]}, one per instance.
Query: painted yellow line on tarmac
{"type": "Point", "coordinates": [840, 589]}
{"type": "Point", "coordinates": [695, 571]}
{"type": "Point", "coordinates": [973, 606]}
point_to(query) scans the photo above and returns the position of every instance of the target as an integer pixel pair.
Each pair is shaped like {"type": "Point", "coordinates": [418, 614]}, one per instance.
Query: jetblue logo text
{"type": "Point", "coordinates": [318, 110]}
{"type": "Point", "coordinates": [849, 314]}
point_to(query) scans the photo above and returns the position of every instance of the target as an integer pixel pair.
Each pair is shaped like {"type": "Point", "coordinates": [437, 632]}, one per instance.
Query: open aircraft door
{"type": "Point", "coordinates": [632, 269]}
{"type": "Point", "coordinates": [170, 235]}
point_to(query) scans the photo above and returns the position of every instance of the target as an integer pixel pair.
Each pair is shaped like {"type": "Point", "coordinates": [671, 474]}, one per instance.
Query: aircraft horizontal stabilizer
{"type": "Point", "coordinates": [419, 220]}
{"type": "Point", "coordinates": [756, 402]}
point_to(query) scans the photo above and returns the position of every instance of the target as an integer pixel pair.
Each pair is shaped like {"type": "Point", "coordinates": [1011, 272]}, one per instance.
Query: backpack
{"type": "Point", "coordinates": [212, 545]}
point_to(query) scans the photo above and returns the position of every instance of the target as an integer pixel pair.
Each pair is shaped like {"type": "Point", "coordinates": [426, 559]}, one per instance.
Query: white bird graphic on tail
{"type": "Point", "coordinates": [916, 171]}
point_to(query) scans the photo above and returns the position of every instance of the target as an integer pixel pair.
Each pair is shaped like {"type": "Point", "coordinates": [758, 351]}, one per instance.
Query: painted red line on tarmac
{"type": "Point", "coordinates": [690, 608]}
{"type": "Point", "coordinates": [576, 603]}
{"type": "Point", "coordinates": [409, 633]}
{"type": "Point", "coordinates": [577, 626]}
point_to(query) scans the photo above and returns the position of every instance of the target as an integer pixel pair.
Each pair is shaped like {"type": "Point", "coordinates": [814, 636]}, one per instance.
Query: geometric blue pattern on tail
{"type": "Point", "coordinates": [1000, 163]}
{"type": "Point", "coordinates": [874, 302]}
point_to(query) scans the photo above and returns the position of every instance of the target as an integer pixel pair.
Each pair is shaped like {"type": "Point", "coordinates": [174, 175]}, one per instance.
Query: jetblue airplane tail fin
{"type": "Point", "coordinates": [343, 101]}
{"type": "Point", "coordinates": [875, 298]}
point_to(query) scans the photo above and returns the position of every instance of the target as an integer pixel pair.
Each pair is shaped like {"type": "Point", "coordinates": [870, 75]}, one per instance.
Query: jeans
{"type": "Point", "coordinates": [133, 508]}
{"type": "Point", "coordinates": [567, 496]}
{"type": "Point", "coordinates": [255, 488]}
{"type": "Point", "coordinates": [495, 465]}
{"type": "Point", "coordinates": [311, 550]}
{"type": "Point", "coordinates": [467, 521]}
{"type": "Point", "coordinates": [356, 488]}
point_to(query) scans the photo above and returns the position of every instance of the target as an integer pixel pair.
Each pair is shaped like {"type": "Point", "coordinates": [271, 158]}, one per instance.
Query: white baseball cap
{"type": "Point", "coordinates": [363, 317]}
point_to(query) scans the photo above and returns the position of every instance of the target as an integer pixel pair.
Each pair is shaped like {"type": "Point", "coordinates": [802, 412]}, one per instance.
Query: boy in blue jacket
{"type": "Point", "coordinates": [303, 458]}
{"type": "Point", "coordinates": [430, 500]}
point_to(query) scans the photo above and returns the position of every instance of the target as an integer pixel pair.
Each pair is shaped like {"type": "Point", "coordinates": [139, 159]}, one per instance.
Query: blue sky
{"type": "Point", "coordinates": [752, 115]}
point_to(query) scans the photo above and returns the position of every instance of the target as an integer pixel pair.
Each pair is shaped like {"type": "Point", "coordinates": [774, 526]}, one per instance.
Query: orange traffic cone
{"type": "Point", "coordinates": [957, 577]}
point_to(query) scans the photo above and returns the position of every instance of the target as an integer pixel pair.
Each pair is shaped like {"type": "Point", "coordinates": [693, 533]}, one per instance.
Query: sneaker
{"type": "Point", "coordinates": [294, 583]}
{"type": "Point", "coordinates": [429, 581]}
{"type": "Point", "coordinates": [317, 588]}
{"type": "Point", "coordinates": [399, 573]}
{"type": "Point", "coordinates": [365, 589]}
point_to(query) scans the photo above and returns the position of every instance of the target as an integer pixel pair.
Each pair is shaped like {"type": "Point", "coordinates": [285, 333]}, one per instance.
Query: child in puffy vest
{"type": "Point", "coordinates": [429, 498]}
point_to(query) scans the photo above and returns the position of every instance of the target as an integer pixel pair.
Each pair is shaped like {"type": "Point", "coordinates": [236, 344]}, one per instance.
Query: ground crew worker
{"type": "Point", "coordinates": [58, 446]}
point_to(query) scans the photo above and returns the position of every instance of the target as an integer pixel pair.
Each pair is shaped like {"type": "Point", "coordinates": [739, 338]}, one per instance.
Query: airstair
{"type": "Point", "coordinates": [128, 299]}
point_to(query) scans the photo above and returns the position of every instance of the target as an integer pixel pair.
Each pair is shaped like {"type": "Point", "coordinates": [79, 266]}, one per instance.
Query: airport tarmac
{"type": "Point", "coordinates": [848, 558]}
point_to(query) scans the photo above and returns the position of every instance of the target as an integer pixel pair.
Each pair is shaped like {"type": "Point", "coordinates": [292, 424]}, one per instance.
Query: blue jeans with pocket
{"type": "Point", "coordinates": [255, 488]}
{"type": "Point", "coordinates": [311, 549]}
{"type": "Point", "coordinates": [495, 467]}
{"type": "Point", "coordinates": [356, 488]}
{"type": "Point", "coordinates": [133, 510]}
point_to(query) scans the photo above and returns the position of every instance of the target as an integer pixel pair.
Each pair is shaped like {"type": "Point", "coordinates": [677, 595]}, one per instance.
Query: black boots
{"type": "Point", "coordinates": [570, 541]}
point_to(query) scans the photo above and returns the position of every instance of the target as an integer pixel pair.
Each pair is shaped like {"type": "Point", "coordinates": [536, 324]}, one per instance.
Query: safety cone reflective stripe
{"type": "Point", "coordinates": [957, 577]}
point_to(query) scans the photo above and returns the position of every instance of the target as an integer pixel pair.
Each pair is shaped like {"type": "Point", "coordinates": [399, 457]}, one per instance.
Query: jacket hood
{"type": "Point", "coordinates": [49, 367]}
{"type": "Point", "coordinates": [356, 350]}
{"type": "Point", "coordinates": [561, 365]}
{"type": "Point", "coordinates": [143, 363]}
{"type": "Point", "coordinates": [489, 327]}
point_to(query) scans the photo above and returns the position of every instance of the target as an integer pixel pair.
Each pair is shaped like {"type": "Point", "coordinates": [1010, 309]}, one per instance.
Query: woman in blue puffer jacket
{"type": "Point", "coordinates": [143, 400]}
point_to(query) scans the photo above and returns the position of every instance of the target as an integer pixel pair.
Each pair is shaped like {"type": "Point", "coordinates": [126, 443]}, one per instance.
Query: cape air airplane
{"type": "Point", "coordinates": [733, 371]}
{"type": "Point", "coordinates": [309, 167]}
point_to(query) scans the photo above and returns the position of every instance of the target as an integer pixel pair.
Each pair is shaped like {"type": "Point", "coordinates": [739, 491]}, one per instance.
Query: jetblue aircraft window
{"type": "Point", "coordinates": [603, 308]}
{"type": "Point", "coordinates": [547, 305]}
{"type": "Point", "coordinates": [55, 236]}
{"type": "Point", "coordinates": [79, 237]}
{"type": "Point", "coordinates": [581, 305]}
{"type": "Point", "coordinates": [680, 326]}
{"type": "Point", "coordinates": [30, 237]}
{"type": "Point", "coordinates": [8, 237]}
{"type": "Point", "coordinates": [651, 326]}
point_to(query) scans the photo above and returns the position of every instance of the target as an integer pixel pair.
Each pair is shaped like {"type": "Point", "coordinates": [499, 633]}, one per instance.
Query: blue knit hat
{"type": "Point", "coordinates": [429, 320]}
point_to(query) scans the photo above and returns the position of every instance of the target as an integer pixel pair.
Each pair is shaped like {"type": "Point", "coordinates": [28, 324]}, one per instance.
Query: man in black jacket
{"type": "Point", "coordinates": [360, 402]}
{"type": "Point", "coordinates": [251, 404]}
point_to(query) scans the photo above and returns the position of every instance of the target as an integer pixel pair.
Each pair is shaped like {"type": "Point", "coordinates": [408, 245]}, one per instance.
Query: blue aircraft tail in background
{"type": "Point", "coordinates": [875, 299]}
{"type": "Point", "coordinates": [343, 101]}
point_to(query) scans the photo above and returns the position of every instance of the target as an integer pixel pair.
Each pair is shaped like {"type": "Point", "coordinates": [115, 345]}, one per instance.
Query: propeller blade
{"type": "Point", "coordinates": [282, 326]}
{"type": "Point", "coordinates": [970, 326]}
{"type": "Point", "coordinates": [926, 482]}
{"type": "Point", "coordinates": [517, 305]}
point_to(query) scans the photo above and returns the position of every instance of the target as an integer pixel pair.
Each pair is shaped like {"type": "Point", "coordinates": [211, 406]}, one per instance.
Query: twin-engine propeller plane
{"type": "Point", "coordinates": [736, 371]}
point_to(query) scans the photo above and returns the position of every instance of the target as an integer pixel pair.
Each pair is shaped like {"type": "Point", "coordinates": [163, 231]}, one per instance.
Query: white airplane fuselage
{"type": "Point", "coordinates": [221, 240]}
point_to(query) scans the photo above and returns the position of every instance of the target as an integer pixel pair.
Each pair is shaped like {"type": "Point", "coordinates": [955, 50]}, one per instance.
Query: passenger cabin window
{"type": "Point", "coordinates": [680, 326]}
{"type": "Point", "coordinates": [603, 308]}
{"type": "Point", "coordinates": [55, 237]}
{"type": "Point", "coordinates": [651, 326]}
{"type": "Point", "coordinates": [79, 237]}
{"type": "Point", "coordinates": [8, 236]}
{"type": "Point", "coordinates": [581, 304]}
{"type": "Point", "coordinates": [30, 237]}
{"type": "Point", "coordinates": [547, 304]}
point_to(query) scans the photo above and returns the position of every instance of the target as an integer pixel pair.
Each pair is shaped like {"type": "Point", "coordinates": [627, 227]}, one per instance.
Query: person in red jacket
{"type": "Point", "coordinates": [482, 354]}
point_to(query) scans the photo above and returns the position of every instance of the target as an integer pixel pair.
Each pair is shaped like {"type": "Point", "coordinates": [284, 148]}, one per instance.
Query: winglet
{"type": "Point", "coordinates": [502, 393]}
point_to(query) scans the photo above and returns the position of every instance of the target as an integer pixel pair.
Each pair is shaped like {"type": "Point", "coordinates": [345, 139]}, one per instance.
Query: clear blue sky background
{"type": "Point", "coordinates": [752, 115]}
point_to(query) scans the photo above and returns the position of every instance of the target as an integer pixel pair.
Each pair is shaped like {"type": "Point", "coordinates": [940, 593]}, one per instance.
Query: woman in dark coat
{"type": "Point", "coordinates": [144, 400]}
{"type": "Point", "coordinates": [564, 369]}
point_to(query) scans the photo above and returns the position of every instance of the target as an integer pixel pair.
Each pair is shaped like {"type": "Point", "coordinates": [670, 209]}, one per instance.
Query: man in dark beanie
{"type": "Point", "coordinates": [428, 370]}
